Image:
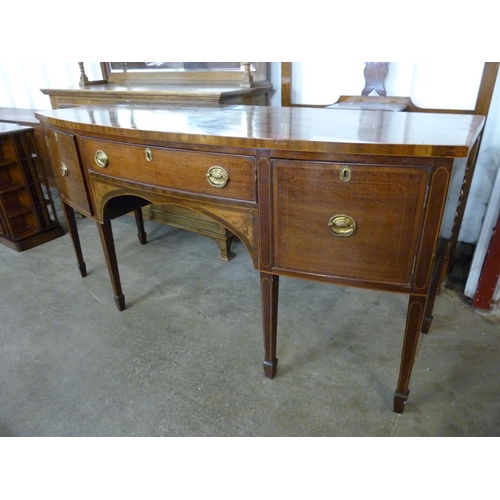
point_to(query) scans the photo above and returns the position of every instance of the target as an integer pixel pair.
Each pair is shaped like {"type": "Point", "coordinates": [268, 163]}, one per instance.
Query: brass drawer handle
{"type": "Point", "coordinates": [217, 177]}
{"type": "Point", "coordinates": [342, 225]}
{"type": "Point", "coordinates": [101, 158]}
{"type": "Point", "coordinates": [64, 170]}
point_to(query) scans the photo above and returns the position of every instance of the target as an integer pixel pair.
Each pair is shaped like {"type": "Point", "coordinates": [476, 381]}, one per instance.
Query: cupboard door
{"type": "Point", "coordinates": [68, 171]}
{"type": "Point", "coordinates": [351, 221]}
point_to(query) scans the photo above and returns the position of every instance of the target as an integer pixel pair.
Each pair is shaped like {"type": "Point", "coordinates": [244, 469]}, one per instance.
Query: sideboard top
{"type": "Point", "coordinates": [280, 128]}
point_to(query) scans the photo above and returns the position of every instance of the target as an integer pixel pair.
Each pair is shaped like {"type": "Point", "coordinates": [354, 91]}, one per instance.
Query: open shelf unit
{"type": "Point", "coordinates": [28, 214]}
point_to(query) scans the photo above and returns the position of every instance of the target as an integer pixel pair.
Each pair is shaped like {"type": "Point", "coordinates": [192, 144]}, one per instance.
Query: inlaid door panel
{"type": "Point", "coordinates": [349, 221]}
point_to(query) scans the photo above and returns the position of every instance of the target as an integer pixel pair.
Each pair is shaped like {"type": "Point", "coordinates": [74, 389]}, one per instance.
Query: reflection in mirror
{"type": "Point", "coordinates": [119, 67]}
{"type": "Point", "coordinates": [243, 74]}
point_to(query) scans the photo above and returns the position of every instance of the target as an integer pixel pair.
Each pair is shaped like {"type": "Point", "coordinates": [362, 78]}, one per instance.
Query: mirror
{"type": "Point", "coordinates": [122, 67]}
{"type": "Point", "coordinates": [244, 74]}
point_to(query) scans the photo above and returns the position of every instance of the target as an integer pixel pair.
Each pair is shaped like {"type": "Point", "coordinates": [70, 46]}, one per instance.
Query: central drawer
{"type": "Point", "coordinates": [357, 222]}
{"type": "Point", "coordinates": [221, 175]}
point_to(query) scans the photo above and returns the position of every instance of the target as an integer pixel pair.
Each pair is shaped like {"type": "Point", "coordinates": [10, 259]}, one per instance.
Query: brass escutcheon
{"type": "Point", "coordinates": [101, 158]}
{"type": "Point", "coordinates": [63, 169]}
{"type": "Point", "coordinates": [217, 177]}
{"type": "Point", "coordinates": [345, 174]}
{"type": "Point", "coordinates": [342, 225]}
{"type": "Point", "coordinates": [149, 154]}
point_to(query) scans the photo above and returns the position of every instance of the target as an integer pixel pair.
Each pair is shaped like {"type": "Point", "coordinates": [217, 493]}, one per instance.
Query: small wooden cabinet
{"type": "Point", "coordinates": [26, 117]}
{"type": "Point", "coordinates": [27, 213]}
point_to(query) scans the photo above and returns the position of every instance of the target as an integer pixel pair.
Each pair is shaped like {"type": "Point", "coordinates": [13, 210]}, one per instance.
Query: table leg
{"type": "Point", "coordinates": [269, 286]}
{"type": "Point", "coordinates": [437, 277]}
{"type": "Point", "coordinates": [431, 299]}
{"type": "Point", "coordinates": [69, 213]}
{"type": "Point", "coordinates": [224, 244]}
{"type": "Point", "coordinates": [416, 306]}
{"type": "Point", "coordinates": [108, 247]}
{"type": "Point", "coordinates": [139, 220]}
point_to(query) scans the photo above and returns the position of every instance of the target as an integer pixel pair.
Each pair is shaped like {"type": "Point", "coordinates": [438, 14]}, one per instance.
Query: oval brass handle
{"type": "Point", "coordinates": [101, 158]}
{"type": "Point", "coordinates": [64, 170]}
{"type": "Point", "coordinates": [342, 225]}
{"type": "Point", "coordinates": [217, 177]}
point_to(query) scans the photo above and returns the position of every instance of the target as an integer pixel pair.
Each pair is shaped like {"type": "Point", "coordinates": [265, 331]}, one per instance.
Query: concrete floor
{"type": "Point", "coordinates": [185, 357]}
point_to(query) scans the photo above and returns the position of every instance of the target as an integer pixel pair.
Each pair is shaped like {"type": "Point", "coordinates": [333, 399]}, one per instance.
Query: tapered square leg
{"type": "Point", "coordinates": [69, 213]}
{"type": "Point", "coordinates": [400, 402]}
{"type": "Point", "coordinates": [416, 306]}
{"type": "Point", "coordinates": [269, 285]}
{"type": "Point", "coordinates": [108, 247]}
{"type": "Point", "coordinates": [139, 220]}
{"type": "Point", "coordinates": [224, 245]}
{"type": "Point", "coordinates": [431, 299]}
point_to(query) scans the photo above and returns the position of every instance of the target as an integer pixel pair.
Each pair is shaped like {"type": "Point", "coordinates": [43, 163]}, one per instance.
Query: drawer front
{"type": "Point", "coordinates": [220, 175]}
{"type": "Point", "coordinates": [349, 221]}
{"type": "Point", "coordinates": [68, 171]}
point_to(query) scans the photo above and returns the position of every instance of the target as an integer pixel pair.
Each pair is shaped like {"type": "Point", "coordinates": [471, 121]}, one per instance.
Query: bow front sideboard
{"type": "Point", "coordinates": [348, 197]}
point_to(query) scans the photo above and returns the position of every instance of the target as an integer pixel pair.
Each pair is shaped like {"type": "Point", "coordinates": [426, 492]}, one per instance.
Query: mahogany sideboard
{"type": "Point", "coordinates": [369, 188]}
